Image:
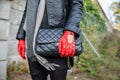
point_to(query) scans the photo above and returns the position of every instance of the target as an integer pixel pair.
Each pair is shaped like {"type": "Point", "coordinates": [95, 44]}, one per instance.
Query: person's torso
{"type": "Point", "coordinates": [55, 14]}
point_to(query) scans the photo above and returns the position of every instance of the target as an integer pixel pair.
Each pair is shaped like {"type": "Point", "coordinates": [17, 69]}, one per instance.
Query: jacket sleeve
{"type": "Point", "coordinates": [75, 15]}
{"type": "Point", "coordinates": [21, 32]}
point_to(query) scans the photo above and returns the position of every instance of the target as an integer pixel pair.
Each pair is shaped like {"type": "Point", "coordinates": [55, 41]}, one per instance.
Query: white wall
{"type": "Point", "coordinates": [16, 12]}
{"type": "Point", "coordinates": [10, 17]}
{"type": "Point", "coordinates": [4, 34]}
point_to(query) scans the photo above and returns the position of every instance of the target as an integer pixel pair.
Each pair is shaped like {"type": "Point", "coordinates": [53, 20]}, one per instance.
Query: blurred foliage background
{"type": "Point", "coordinates": [106, 43]}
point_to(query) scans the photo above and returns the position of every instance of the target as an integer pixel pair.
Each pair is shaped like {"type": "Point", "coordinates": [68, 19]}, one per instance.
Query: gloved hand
{"type": "Point", "coordinates": [66, 45]}
{"type": "Point", "coordinates": [21, 48]}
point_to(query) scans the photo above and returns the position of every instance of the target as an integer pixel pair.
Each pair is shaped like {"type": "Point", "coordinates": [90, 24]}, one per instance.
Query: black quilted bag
{"type": "Point", "coordinates": [47, 42]}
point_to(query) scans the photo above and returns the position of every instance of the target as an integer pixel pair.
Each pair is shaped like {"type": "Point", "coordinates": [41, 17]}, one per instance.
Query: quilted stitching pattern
{"type": "Point", "coordinates": [49, 35]}
{"type": "Point", "coordinates": [47, 39]}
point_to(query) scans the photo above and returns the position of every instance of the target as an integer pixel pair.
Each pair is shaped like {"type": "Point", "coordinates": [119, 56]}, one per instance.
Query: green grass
{"type": "Point", "coordinates": [17, 69]}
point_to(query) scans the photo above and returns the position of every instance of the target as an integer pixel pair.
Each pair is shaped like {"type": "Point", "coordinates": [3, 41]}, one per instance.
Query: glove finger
{"type": "Point", "coordinates": [51, 67]}
{"type": "Point", "coordinates": [73, 51]}
{"type": "Point", "coordinates": [59, 47]}
{"type": "Point", "coordinates": [66, 52]}
{"type": "Point", "coordinates": [70, 51]}
{"type": "Point", "coordinates": [63, 51]}
{"type": "Point", "coordinates": [20, 50]}
{"type": "Point", "coordinates": [62, 48]}
{"type": "Point", "coordinates": [23, 52]}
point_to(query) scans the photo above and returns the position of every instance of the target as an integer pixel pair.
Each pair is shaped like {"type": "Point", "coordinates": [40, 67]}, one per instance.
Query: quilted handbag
{"type": "Point", "coordinates": [47, 42]}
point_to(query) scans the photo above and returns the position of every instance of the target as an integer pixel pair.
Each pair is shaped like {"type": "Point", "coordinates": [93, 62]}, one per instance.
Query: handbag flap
{"type": "Point", "coordinates": [45, 36]}
{"type": "Point", "coordinates": [49, 35]}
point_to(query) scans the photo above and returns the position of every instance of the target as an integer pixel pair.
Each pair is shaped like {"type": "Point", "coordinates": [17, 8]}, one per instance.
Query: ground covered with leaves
{"type": "Point", "coordinates": [20, 71]}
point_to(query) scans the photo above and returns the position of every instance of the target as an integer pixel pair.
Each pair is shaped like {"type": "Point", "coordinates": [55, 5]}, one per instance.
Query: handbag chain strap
{"type": "Point", "coordinates": [68, 62]}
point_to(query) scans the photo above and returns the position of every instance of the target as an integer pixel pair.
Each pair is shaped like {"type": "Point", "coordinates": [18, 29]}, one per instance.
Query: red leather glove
{"type": "Point", "coordinates": [21, 48]}
{"type": "Point", "coordinates": [66, 44]}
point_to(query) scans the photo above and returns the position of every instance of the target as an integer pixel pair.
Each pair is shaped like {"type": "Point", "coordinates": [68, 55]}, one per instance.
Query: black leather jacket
{"type": "Point", "coordinates": [60, 13]}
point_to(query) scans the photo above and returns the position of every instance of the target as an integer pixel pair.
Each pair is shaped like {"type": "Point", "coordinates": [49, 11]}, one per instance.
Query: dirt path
{"type": "Point", "coordinates": [70, 76]}
{"type": "Point", "coordinates": [27, 77]}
